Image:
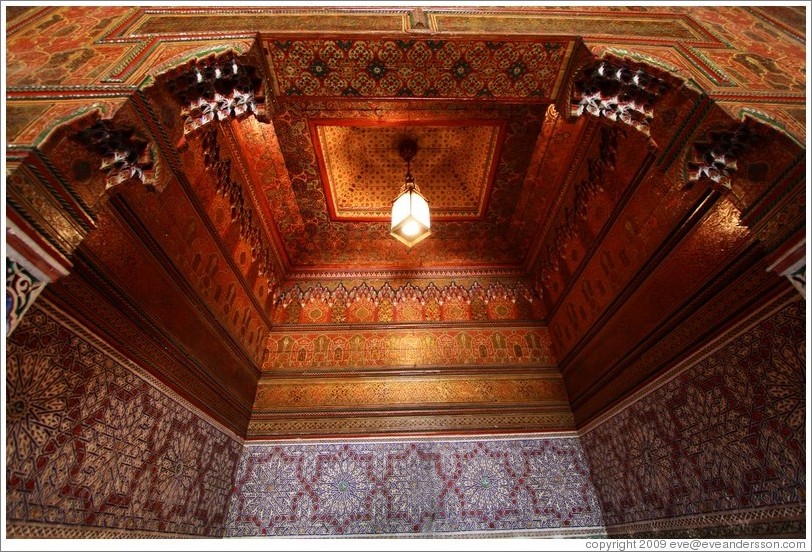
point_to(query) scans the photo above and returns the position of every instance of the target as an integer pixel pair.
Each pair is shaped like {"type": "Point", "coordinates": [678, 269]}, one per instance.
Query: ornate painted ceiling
{"type": "Point", "coordinates": [608, 187]}
{"type": "Point", "coordinates": [361, 167]}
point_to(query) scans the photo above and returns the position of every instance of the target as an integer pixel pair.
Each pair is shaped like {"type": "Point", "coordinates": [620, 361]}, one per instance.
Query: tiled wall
{"type": "Point", "coordinates": [95, 447]}
{"type": "Point", "coordinates": [716, 447]}
{"type": "Point", "coordinates": [421, 487]}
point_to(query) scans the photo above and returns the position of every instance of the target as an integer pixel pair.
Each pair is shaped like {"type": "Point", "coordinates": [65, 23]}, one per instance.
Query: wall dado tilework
{"type": "Point", "coordinates": [717, 447]}
{"type": "Point", "coordinates": [97, 448]}
{"type": "Point", "coordinates": [431, 487]}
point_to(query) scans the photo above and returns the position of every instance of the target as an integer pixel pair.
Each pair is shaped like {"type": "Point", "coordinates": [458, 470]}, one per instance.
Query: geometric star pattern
{"type": "Point", "coordinates": [90, 443]}
{"type": "Point", "coordinates": [412, 487]}
{"type": "Point", "coordinates": [724, 434]}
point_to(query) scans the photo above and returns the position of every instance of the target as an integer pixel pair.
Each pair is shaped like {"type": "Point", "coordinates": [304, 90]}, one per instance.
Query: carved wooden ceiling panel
{"type": "Point", "coordinates": [411, 67]}
{"type": "Point", "coordinates": [363, 172]}
{"type": "Point", "coordinates": [325, 224]}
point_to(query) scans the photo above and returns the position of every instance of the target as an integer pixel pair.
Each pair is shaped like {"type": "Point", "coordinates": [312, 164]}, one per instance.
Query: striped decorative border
{"type": "Point", "coordinates": [24, 530]}
{"type": "Point", "coordinates": [416, 439]}
{"type": "Point", "coordinates": [553, 533]}
{"type": "Point", "coordinates": [734, 518]}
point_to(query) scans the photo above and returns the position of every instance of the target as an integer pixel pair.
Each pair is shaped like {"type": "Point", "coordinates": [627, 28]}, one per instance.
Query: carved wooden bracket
{"type": "Point", "coordinates": [620, 90]}
{"type": "Point", "coordinates": [716, 158]}
{"type": "Point", "coordinates": [125, 156]}
{"type": "Point", "coordinates": [215, 88]}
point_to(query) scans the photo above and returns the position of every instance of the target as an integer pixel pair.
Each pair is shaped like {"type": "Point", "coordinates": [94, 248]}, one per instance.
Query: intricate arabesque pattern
{"type": "Point", "coordinates": [417, 68]}
{"type": "Point", "coordinates": [91, 443]}
{"type": "Point", "coordinates": [724, 434]}
{"type": "Point", "coordinates": [574, 217]}
{"type": "Point", "coordinates": [406, 303]}
{"type": "Point", "coordinates": [420, 487]}
{"type": "Point", "coordinates": [312, 240]}
{"type": "Point", "coordinates": [758, 69]}
{"type": "Point", "coordinates": [21, 291]}
{"type": "Point", "coordinates": [387, 394]}
{"type": "Point", "coordinates": [241, 211]}
{"type": "Point", "coordinates": [91, 47]}
{"type": "Point", "coordinates": [401, 347]}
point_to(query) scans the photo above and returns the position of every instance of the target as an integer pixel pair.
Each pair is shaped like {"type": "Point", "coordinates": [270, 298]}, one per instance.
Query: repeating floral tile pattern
{"type": "Point", "coordinates": [413, 487]}
{"type": "Point", "coordinates": [90, 443]}
{"type": "Point", "coordinates": [726, 434]}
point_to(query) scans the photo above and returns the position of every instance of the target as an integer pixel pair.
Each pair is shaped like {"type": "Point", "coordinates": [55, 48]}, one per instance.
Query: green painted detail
{"type": "Point", "coordinates": [769, 121]}
{"type": "Point", "coordinates": [643, 58]}
{"type": "Point", "coordinates": [149, 80]}
{"type": "Point", "coordinates": [73, 115]}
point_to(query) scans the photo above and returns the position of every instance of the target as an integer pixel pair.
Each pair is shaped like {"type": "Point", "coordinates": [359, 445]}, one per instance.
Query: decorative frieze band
{"type": "Point", "coordinates": [407, 292]}
{"type": "Point", "coordinates": [365, 303]}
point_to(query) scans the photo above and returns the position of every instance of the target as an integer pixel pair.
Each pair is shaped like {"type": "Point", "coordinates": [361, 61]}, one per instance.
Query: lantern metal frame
{"type": "Point", "coordinates": [413, 225]}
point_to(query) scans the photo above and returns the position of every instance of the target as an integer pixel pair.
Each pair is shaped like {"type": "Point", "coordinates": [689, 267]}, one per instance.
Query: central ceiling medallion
{"type": "Point", "coordinates": [359, 160]}
{"type": "Point", "coordinates": [411, 220]}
